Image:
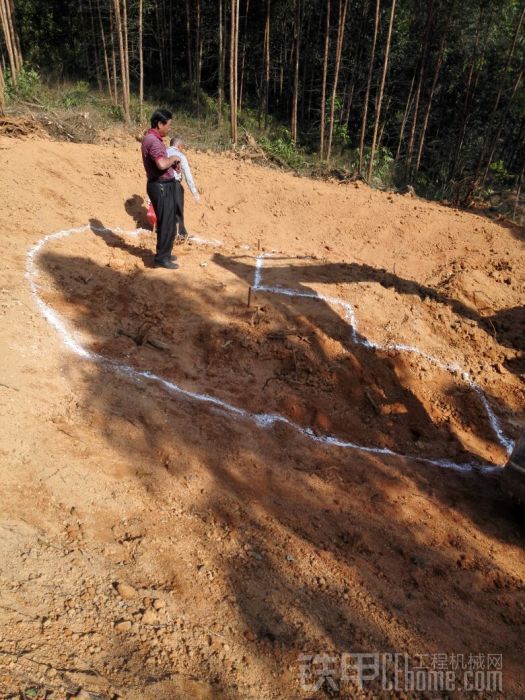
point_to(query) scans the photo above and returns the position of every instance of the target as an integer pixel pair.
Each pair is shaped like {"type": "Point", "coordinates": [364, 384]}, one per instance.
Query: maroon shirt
{"type": "Point", "coordinates": [153, 148]}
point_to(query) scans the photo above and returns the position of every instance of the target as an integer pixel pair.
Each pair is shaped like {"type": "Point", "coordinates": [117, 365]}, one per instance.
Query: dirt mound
{"type": "Point", "coordinates": [77, 128]}
{"type": "Point", "coordinates": [161, 544]}
{"type": "Point", "coordinates": [20, 127]}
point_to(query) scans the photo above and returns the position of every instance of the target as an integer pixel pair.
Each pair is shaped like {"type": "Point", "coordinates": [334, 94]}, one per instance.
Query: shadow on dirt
{"type": "Point", "coordinates": [312, 549]}
{"type": "Point", "coordinates": [507, 326]}
{"type": "Point", "coordinates": [136, 208]}
{"type": "Point", "coordinates": [115, 240]}
{"type": "Point", "coordinates": [330, 323]}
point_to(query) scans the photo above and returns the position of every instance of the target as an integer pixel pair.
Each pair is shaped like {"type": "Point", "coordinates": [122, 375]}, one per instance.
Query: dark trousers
{"type": "Point", "coordinates": [180, 211]}
{"type": "Point", "coordinates": [165, 199]}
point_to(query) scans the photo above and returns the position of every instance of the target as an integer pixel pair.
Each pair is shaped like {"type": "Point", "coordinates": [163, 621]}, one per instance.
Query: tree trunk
{"type": "Point", "coordinates": [355, 72]}
{"type": "Point", "coordinates": [221, 64]}
{"type": "Point", "coordinates": [120, 38]}
{"type": "Point", "coordinates": [234, 45]}
{"type": "Point", "coordinates": [190, 53]}
{"type": "Point", "coordinates": [325, 73]}
{"type": "Point", "coordinates": [170, 52]}
{"type": "Point", "coordinates": [9, 43]}
{"type": "Point", "coordinates": [439, 63]}
{"type": "Point", "coordinates": [265, 77]}
{"type": "Point", "coordinates": [113, 55]}
{"type": "Point", "coordinates": [424, 53]}
{"type": "Point", "coordinates": [518, 191]}
{"type": "Point", "coordinates": [408, 107]}
{"type": "Point", "coordinates": [267, 70]}
{"type": "Point", "coordinates": [381, 90]}
{"type": "Point", "coordinates": [2, 92]}
{"type": "Point", "coordinates": [16, 40]}
{"type": "Point", "coordinates": [105, 52]}
{"type": "Point", "coordinates": [385, 119]}
{"type": "Point", "coordinates": [281, 76]}
{"type": "Point", "coordinates": [162, 44]}
{"type": "Point", "coordinates": [502, 82]}
{"type": "Point", "coordinates": [141, 64]}
{"type": "Point", "coordinates": [343, 6]}
{"type": "Point", "coordinates": [307, 42]}
{"type": "Point", "coordinates": [495, 139]}
{"type": "Point", "coordinates": [514, 154]}
{"type": "Point", "coordinates": [466, 102]}
{"type": "Point", "coordinates": [95, 47]}
{"type": "Point", "coordinates": [295, 94]}
{"type": "Point", "coordinates": [198, 56]}
{"type": "Point", "coordinates": [243, 59]}
{"type": "Point", "coordinates": [126, 50]}
{"type": "Point", "coordinates": [368, 87]}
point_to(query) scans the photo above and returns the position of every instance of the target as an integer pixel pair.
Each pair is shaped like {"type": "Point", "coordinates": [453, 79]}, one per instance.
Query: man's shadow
{"type": "Point", "coordinates": [375, 373]}
{"type": "Point", "coordinates": [136, 208]}
{"type": "Point", "coordinates": [114, 240]}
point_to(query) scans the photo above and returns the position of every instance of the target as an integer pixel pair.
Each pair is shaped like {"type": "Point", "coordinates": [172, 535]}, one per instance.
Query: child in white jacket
{"type": "Point", "coordinates": [177, 148]}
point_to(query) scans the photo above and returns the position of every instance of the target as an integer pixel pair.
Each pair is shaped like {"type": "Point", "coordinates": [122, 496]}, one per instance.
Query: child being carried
{"type": "Point", "coordinates": [177, 148]}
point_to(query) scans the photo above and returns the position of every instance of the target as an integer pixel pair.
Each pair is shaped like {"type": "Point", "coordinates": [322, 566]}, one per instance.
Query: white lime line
{"type": "Point", "coordinates": [264, 420]}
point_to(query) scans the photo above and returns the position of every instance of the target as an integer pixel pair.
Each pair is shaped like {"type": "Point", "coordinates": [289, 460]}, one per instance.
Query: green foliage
{"type": "Point", "coordinates": [340, 131]}
{"type": "Point", "coordinates": [383, 168]}
{"type": "Point", "coordinates": [469, 40]}
{"type": "Point", "coordinates": [78, 95]}
{"type": "Point", "coordinates": [28, 85]}
{"type": "Point", "coordinates": [500, 174]}
{"type": "Point", "coordinates": [284, 150]}
{"type": "Point", "coordinates": [114, 112]}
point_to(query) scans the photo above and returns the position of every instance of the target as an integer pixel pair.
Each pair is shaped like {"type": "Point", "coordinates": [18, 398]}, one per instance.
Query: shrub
{"type": "Point", "coordinates": [28, 84]}
{"type": "Point", "coordinates": [79, 94]}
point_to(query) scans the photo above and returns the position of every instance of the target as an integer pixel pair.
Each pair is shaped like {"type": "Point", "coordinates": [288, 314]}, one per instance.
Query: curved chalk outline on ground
{"type": "Point", "coordinates": [264, 420]}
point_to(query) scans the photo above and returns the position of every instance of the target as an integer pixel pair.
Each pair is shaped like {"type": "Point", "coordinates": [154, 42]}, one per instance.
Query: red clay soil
{"type": "Point", "coordinates": [157, 546]}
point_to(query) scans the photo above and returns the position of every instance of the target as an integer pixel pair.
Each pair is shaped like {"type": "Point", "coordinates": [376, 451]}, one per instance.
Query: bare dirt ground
{"type": "Point", "coordinates": [155, 546]}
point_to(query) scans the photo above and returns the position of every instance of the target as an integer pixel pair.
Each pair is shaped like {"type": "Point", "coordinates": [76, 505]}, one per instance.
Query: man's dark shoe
{"type": "Point", "coordinates": [168, 264]}
{"type": "Point", "coordinates": [173, 258]}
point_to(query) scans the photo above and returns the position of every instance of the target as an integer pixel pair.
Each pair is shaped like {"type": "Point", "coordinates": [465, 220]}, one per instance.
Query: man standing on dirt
{"type": "Point", "coordinates": [162, 185]}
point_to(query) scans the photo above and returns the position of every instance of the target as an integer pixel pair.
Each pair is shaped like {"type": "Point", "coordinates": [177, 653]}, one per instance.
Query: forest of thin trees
{"type": "Point", "coordinates": [433, 89]}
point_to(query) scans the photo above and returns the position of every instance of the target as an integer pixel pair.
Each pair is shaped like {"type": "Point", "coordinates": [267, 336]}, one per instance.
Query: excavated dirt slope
{"type": "Point", "coordinates": [155, 545]}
